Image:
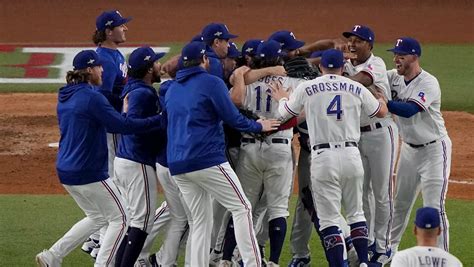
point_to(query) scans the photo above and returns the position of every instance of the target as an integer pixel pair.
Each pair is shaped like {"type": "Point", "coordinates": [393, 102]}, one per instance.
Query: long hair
{"type": "Point", "coordinates": [271, 62]}
{"type": "Point", "coordinates": [99, 37]}
{"type": "Point", "coordinates": [78, 76]}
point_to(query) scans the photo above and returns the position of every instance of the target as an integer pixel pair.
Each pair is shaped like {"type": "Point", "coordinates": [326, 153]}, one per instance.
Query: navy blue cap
{"type": "Point", "coordinates": [427, 218]}
{"type": "Point", "coordinates": [216, 30]}
{"type": "Point", "coordinates": [361, 31]}
{"type": "Point", "coordinates": [86, 58]}
{"type": "Point", "coordinates": [142, 57]}
{"type": "Point", "coordinates": [269, 49]}
{"type": "Point", "coordinates": [332, 59]}
{"type": "Point", "coordinates": [287, 40]}
{"type": "Point", "coordinates": [193, 50]}
{"type": "Point", "coordinates": [233, 51]}
{"type": "Point", "coordinates": [406, 46]}
{"type": "Point", "coordinates": [250, 47]}
{"type": "Point", "coordinates": [110, 19]}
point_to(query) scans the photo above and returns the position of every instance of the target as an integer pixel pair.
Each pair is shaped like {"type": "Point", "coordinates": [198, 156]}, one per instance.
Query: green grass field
{"type": "Point", "coordinates": [451, 64]}
{"type": "Point", "coordinates": [30, 223]}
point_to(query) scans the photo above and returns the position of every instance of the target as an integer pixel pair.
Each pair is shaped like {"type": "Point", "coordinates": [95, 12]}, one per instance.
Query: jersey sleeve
{"type": "Point", "coordinates": [376, 69]}
{"type": "Point", "coordinates": [108, 76]}
{"type": "Point", "coordinates": [137, 101]}
{"type": "Point", "coordinates": [293, 106]}
{"type": "Point", "coordinates": [370, 104]}
{"type": "Point", "coordinates": [426, 93]}
{"type": "Point", "coordinates": [399, 260]}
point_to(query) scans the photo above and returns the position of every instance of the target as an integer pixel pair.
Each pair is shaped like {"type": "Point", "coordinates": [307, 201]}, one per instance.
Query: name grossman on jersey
{"type": "Point", "coordinates": [332, 87]}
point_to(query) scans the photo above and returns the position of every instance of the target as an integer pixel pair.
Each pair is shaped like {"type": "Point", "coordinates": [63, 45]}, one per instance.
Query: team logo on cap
{"type": "Point", "coordinates": [356, 27]}
{"type": "Point", "coordinates": [203, 51]}
{"type": "Point", "coordinates": [91, 61]}
{"type": "Point", "coordinates": [108, 23]}
{"type": "Point", "coordinates": [248, 50]}
{"type": "Point", "coordinates": [218, 34]}
{"type": "Point", "coordinates": [399, 41]}
{"type": "Point", "coordinates": [147, 58]}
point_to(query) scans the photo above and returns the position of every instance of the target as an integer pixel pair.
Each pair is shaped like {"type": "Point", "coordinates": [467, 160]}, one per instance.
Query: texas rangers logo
{"type": "Point", "coordinates": [356, 27]}
{"type": "Point", "coordinates": [370, 67]}
{"type": "Point", "coordinates": [399, 41]}
{"type": "Point", "coordinates": [422, 96]}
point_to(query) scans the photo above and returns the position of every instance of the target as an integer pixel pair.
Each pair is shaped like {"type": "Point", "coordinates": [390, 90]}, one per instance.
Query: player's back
{"type": "Point", "coordinates": [333, 108]}
{"type": "Point", "coordinates": [420, 256]}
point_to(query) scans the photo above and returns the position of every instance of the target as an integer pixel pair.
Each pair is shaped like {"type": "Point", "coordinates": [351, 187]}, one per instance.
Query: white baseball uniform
{"type": "Point", "coordinates": [267, 164]}
{"type": "Point", "coordinates": [425, 157]}
{"type": "Point", "coordinates": [421, 256]}
{"type": "Point", "coordinates": [333, 106]}
{"type": "Point", "coordinates": [378, 147]}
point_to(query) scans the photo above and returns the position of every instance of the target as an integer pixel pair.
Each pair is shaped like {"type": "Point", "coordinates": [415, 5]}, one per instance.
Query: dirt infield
{"type": "Point", "coordinates": [28, 123]}
{"type": "Point", "coordinates": [72, 21]}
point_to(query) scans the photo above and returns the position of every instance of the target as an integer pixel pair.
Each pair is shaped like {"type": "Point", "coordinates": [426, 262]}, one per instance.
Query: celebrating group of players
{"type": "Point", "coordinates": [229, 192]}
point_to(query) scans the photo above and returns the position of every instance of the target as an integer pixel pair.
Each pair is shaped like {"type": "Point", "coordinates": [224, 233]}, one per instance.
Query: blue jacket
{"type": "Point", "coordinates": [84, 115]}
{"type": "Point", "coordinates": [196, 105]}
{"type": "Point", "coordinates": [216, 67]}
{"type": "Point", "coordinates": [161, 156]}
{"type": "Point", "coordinates": [142, 103]}
{"type": "Point", "coordinates": [114, 75]}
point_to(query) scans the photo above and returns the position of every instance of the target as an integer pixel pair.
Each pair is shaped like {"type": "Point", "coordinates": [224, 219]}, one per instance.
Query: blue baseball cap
{"type": "Point", "coordinates": [406, 46]}
{"type": "Point", "coordinates": [86, 58]}
{"type": "Point", "coordinates": [193, 50]}
{"type": "Point", "coordinates": [361, 31]}
{"type": "Point", "coordinates": [142, 57]}
{"type": "Point", "coordinates": [110, 19]}
{"type": "Point", "coordinates": [250, 47]}
{"type": "Point", "coordinates": [269, 49]}
{"type": "Point", "coordinates": [427, 218]}
{"type": "Point", "coordinates": [286, 39]}
{"type": "Point", "coordinates": [332, 59]}
{"type": "Point", "coordinates": [216, 30]}
{"type": "Point", "coordinates": [233, 51]}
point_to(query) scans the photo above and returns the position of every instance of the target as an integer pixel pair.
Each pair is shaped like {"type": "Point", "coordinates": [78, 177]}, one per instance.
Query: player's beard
{"type": "Point", "coordinates": [156, 78]}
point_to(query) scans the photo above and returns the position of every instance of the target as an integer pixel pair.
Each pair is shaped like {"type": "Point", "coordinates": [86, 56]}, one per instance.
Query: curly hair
{"type": "Point", "coordinates": [78, 76]}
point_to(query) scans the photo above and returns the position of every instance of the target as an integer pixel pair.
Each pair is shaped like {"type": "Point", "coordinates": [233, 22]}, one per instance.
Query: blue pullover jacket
{"type": "Point", "coordinates": [161, 156]}
{"type": "Point", "coordinates": [84, 116]}
{"type": "Point", "coordinates": [114, 75]}
{"type": "Point", "coordinates": [142, 103]}
{"type": "Point", "coordinates": [196, 104]}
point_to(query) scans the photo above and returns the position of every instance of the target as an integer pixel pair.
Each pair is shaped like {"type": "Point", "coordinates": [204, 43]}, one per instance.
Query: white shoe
{"type": "Point", "coordinates": [89, 245]}
{"type": "Point", "coordinates": [214, 258]}
{"type": "Point", "coordinates": [47, 259]}
{"type": "Point", "coordinates": [224, 263]}
{"type": "Point", "coordinates": [143, 262]}
{"type": "Point", "coordinates": [352, 257]}
{"type": "Point", "coordinates": [272, 264]}
{"type": "Point", "coordinates": [95, 251]}
{"type": "Point", "coordinates": [363, 265]}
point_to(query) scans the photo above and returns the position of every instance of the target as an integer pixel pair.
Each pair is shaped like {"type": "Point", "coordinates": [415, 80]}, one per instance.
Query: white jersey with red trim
{"type": "Point", "coordinates": [333, 105]}
{"type": "Point", "coordinates": [424, 90]}
{"type": "Point", "coordinates": [375, 67]}
{"type": "Point", "coordinates": [262, 104]}
{"type": "Point", "coordinates": [420, 256]}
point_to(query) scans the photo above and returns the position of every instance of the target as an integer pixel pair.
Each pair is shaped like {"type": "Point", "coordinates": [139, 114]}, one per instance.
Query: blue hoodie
{"type": "Point", "coordinates": [216, 67]}
{"type": "Point", "coordinates": [161, 157]}
{"type": "Point", "coordinates": [196, 105]}
{"type": "Point", "coordinates": [142, 103]}
{"type": "Point", "coordinates": [114, 75]}
{"type": "Point", "coordinates": [84, 115]}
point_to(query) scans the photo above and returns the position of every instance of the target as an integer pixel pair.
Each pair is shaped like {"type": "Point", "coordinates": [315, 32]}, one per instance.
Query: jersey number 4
{"type": "Point", "coordinates": [334, 108]}
{"type": "Point", "coordinates": [259, 100]}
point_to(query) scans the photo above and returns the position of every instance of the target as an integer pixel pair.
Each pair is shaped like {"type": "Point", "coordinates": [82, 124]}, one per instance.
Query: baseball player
{"type": "Point", "coordinates": [333, 106]}
{"type": "Point", "coordinates": [426, 253]}
{"type": "Point", "coordinates": [378, 142]}
{"type": "Point", "coordinates": [196, 105]}
{"type": "Point", "coordinates": [109, 34]}
{"type": "Point", "coordinates": [135, 160]}
{"type": "Point", "coordinates": [84, 115]}
{"type": "Point", "coordinates": [425, 156]}
{"type": "Point", "coordinates": [216, 36]}
{"type": "Point", "coordinates": [265, 166]}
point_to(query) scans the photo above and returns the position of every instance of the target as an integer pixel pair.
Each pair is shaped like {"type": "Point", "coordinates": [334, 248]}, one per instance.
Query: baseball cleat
{"type": "Point", "coordinates": [95, 251]}
{"type": "Point", "coordinates": [352, 257]}
{"type": "Point", "coordinates": [300, 262]}
{"type": "Point", "coordinates": [47, 259]}
{"type": "Point", "coordinates": [381, 258]}
{"type": "Point", "coordinates": [215, 258]}
{"type": "Point", "coordinates": [272, 264]}
{"type": "Point", "coordinates": [89, 245]}
{"type": "Point", "coordinates": [224, 263]}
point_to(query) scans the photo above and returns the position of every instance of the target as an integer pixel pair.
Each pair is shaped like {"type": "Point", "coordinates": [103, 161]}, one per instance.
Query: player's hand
{"type": "Point", "coordinates": [277, 71]}
{"type": "Point", "coordinates": [380, 96]}
{"type": "Point", "coordinates": [170, 67]}
{"type": "Point", "coordinates": [241, 70]}
{"type": "Point", "coordinates": [341, 45]}
{"type": "Point", "coordinates": [269, 125]}
{"type": "Point", "coordinates": [277, 92]}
